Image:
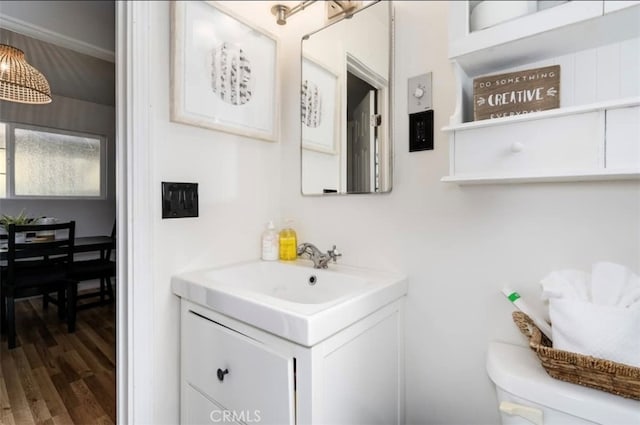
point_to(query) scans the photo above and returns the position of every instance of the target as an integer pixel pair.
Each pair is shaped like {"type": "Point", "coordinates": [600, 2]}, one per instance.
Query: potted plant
{"type": "Point", "coordinates": [19, 219]}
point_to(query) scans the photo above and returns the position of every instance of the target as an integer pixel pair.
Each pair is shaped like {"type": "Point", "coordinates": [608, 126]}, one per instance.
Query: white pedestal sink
{"type": "Point", "coordinates": [292, 299]}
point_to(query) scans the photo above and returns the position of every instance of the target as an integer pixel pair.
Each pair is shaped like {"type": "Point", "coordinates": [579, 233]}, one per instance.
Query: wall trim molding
{"type": "Point", "coordinates": [135, 330]}
{"type": "Point", "coordinates": [26, 28]}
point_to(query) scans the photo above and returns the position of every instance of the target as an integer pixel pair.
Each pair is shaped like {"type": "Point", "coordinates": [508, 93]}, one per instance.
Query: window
{"type": "Point", "coordinates": [39, 162]}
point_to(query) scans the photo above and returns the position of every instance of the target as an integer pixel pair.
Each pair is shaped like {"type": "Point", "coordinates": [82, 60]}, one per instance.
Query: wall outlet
{"type": "Point", "coordinates": [421, 131]}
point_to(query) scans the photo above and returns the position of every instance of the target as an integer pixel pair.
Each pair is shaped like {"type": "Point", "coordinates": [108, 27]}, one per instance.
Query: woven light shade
{"type": "Point", "coordinates": [19, 81]}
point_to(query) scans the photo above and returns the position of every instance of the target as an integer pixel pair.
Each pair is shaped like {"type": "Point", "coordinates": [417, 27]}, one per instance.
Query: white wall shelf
{"type": "Point", "coordinates": [600, 106]}
{"type": "Point", "coordinates": [578, 176]}
{"type": "Point", "coordinates": [595, 135]}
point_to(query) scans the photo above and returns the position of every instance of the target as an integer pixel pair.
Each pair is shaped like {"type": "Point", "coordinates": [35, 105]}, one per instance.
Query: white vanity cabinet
{"type": "Point", "coordinates": [235, 372]}
{"type": "Point", "coordinates": [594, 135]}
{"type": "Point", "coordinates": [228, 368]}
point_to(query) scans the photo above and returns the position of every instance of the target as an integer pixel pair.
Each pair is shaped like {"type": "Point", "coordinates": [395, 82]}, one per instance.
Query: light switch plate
{"type": "Point", "coordinates": [420, 94]}
{"type": "Point", "coordinates": [179, 200]}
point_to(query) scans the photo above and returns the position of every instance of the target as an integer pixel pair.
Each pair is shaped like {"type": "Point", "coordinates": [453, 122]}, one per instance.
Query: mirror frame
{"type": "Point", "coordinates": [389, 104]}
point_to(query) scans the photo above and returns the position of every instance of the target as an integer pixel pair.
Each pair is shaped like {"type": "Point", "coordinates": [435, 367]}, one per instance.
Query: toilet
{"type": "Point", "coordinates": [527, 395]}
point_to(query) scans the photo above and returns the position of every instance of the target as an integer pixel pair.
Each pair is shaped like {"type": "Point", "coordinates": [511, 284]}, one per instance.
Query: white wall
{"type": "Point", "coordinates": [239, 192]}
{"type": "Point", "coordinates": [458, 245]}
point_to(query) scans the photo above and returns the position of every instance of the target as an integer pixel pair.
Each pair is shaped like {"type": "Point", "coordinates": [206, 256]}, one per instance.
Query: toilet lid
{"type": "Point", "coordinates": [517, 370]}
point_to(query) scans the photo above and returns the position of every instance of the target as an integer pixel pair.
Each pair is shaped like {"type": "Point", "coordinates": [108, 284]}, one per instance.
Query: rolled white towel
{"type": "Point", "coordinates": [602, 331]}
{"type": "Point", "coordinates": [631, 292]}
{"type": "Point", "coordinates": [608, 283]}
{"type": "Point", "coordinates": [573, 284]}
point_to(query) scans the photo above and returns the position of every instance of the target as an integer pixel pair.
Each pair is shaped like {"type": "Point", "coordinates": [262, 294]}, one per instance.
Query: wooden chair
{"type": "Point", "coordinates": [38, 268]}
{"type": "Point", "coordinates": [102, 268]}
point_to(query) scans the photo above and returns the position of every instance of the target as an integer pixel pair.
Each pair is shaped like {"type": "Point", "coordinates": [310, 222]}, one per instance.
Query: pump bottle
{"type": "Point", "coordinates": [288, 243]}
{"type": "Point", "coordinates": [270, 243]}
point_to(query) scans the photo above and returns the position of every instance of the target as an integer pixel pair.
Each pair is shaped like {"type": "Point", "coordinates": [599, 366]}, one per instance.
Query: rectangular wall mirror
{"type": "Point", "coordinates": [345, 105]}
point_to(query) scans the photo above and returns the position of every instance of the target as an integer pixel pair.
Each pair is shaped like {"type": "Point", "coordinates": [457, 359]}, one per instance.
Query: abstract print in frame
{"type": "Point", "coordinates": [223, 72]}
{"type": "Point", "coordinates": [319, 94]}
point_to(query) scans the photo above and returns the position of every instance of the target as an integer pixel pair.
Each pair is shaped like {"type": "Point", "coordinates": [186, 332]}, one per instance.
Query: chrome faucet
{"type": "Point", "coordinates": [320, 259]}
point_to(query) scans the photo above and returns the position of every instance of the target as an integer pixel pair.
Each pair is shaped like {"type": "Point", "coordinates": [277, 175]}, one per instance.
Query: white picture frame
{"type": "Point", "coordinates": [320, 106]}
{"type": "Point", "coordinates": [224, 72]}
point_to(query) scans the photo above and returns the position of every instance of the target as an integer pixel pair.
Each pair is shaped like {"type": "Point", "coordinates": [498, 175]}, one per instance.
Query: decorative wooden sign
{"type": "Point", "coordinates": [516, 93]}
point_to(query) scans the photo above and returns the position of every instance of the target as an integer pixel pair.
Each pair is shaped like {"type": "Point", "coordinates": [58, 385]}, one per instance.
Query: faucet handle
{"type": "Point", "coordinates": [334, 253]}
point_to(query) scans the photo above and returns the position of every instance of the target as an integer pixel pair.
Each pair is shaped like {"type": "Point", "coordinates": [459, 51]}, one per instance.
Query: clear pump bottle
{"type": "Point", "coordinates": [270, 243]}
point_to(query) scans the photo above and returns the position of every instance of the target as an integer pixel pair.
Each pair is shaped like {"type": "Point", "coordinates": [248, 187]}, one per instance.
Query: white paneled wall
{"type": "Point", "coordinates": [595, 75]}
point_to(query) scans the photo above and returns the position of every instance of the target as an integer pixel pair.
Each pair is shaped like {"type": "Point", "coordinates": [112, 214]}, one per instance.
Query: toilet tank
{"type": "Point", "coordinates": [527, 395]}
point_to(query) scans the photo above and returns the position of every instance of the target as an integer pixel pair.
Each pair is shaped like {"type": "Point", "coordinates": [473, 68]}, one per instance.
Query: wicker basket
{"type": "Point", "coordinates": [605, 375]}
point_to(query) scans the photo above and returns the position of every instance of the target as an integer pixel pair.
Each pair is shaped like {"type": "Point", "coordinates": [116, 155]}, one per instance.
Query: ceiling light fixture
{"type": "Point", "coordinates": [19, 81]}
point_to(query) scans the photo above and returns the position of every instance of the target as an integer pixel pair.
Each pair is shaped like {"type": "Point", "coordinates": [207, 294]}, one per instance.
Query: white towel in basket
{"type": "Point", "coordinates": [606, 332]}
{"type": "Point", "coordinates": [597, 314]}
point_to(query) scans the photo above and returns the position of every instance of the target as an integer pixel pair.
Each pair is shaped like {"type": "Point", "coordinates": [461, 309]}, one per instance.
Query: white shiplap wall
{"type": "Point", "coordinates": [595, 75]}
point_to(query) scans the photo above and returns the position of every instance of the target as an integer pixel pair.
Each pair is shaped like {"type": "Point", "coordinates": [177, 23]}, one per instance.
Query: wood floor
{"type": "Point", "coordinates": [53, 377]}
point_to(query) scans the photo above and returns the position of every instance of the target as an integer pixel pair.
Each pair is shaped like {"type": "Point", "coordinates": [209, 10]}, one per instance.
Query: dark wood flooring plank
{"type": "Point", "coordinates": [56, 378]}
{"type": "Point", "coordinates": [36, 323]}
{"type": "Point", "coordinates": [5, 405]}
{"type": "Point", "coordinates": [62, 338]}
{"type": "Point", "coordinates": [32, 356]}
{"type": "Point", "coordinates": [49, 392]}
{"type": "Point", "coordinates": [48, 358]}
{"type": "Point", "coordinates": [107, 333]}
{"type": "Point", "coordinates": [103, 387]}
{"type": "Point", "coordinates": [95, 351]}
{"type": "Point", "coordinates": [63, 419]}
{"type": "Point", "coordinates": [63, 387]}
{"type": "Point", "coordinates": [87, 355]}
{"type": "Point", "coordinates": [67, 370]}
{"type": "Point", "coordinates": [87, 399]}
{"type": "Point", "coordinates": [104, 420]}
{"type": "Point", "coordinates": [30, 387]}
{"type": "Point", "coordinates": [22, 416]}
{"type": "Point", "coordinates": [17, 399]}
{"type": "Point", "coordinates": [106, 349]}
{"type": "Point", "coordinates": [82, 416]}
{"type": "Point", "coordinates": [76, 362]}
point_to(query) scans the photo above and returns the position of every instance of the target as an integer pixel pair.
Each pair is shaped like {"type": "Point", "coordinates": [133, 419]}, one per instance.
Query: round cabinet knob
{"type": "Point", "coordinates": [221, 374]}
{"type": "Point", "coordinates": [418, 93]}
{"type": "Point", "coordinates": [517, 147]}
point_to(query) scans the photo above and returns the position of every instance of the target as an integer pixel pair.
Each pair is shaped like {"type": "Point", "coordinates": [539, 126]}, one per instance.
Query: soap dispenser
{"type": "Point", "coordinates": [270, 243]}
{"type": "Point", "coordinates": [288, 243]}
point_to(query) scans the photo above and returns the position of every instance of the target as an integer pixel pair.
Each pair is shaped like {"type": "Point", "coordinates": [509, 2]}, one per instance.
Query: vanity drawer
{"type": "Point", "coordinates": [200, 410]}
{"type": "Point", "coordinates": [551, 145]}
{"type": "Point", "coordinates": [259, 381]}
{"type": "Point", "coordinates": [623, 138]}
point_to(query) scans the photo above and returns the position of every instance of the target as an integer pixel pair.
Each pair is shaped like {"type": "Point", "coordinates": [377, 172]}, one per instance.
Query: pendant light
{"type": "Point", "coordinates": [19, 81]}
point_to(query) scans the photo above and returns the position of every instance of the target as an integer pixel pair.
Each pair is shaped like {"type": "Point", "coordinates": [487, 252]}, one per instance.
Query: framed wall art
{"type": "Point", "coordinates": [224, 73]}
{"type": "Point", "coordinates": [319, 107]}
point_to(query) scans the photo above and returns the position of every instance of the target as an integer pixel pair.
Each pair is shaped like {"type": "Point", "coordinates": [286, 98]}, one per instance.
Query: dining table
{"type": "Point", "coordinates": [81, 244]}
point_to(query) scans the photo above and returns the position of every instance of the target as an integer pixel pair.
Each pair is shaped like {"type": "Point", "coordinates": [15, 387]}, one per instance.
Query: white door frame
{"type": "Point", "coordinates": [134, 320]}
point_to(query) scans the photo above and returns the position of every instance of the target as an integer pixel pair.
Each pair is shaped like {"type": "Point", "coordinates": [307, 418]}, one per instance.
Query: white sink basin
{"type": "Point", "coordinates": [292, 299]}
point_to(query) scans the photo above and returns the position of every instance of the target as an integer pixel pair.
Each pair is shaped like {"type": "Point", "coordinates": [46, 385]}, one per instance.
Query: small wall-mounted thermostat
{"type": "Point", "coordinates": [419, 96]}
